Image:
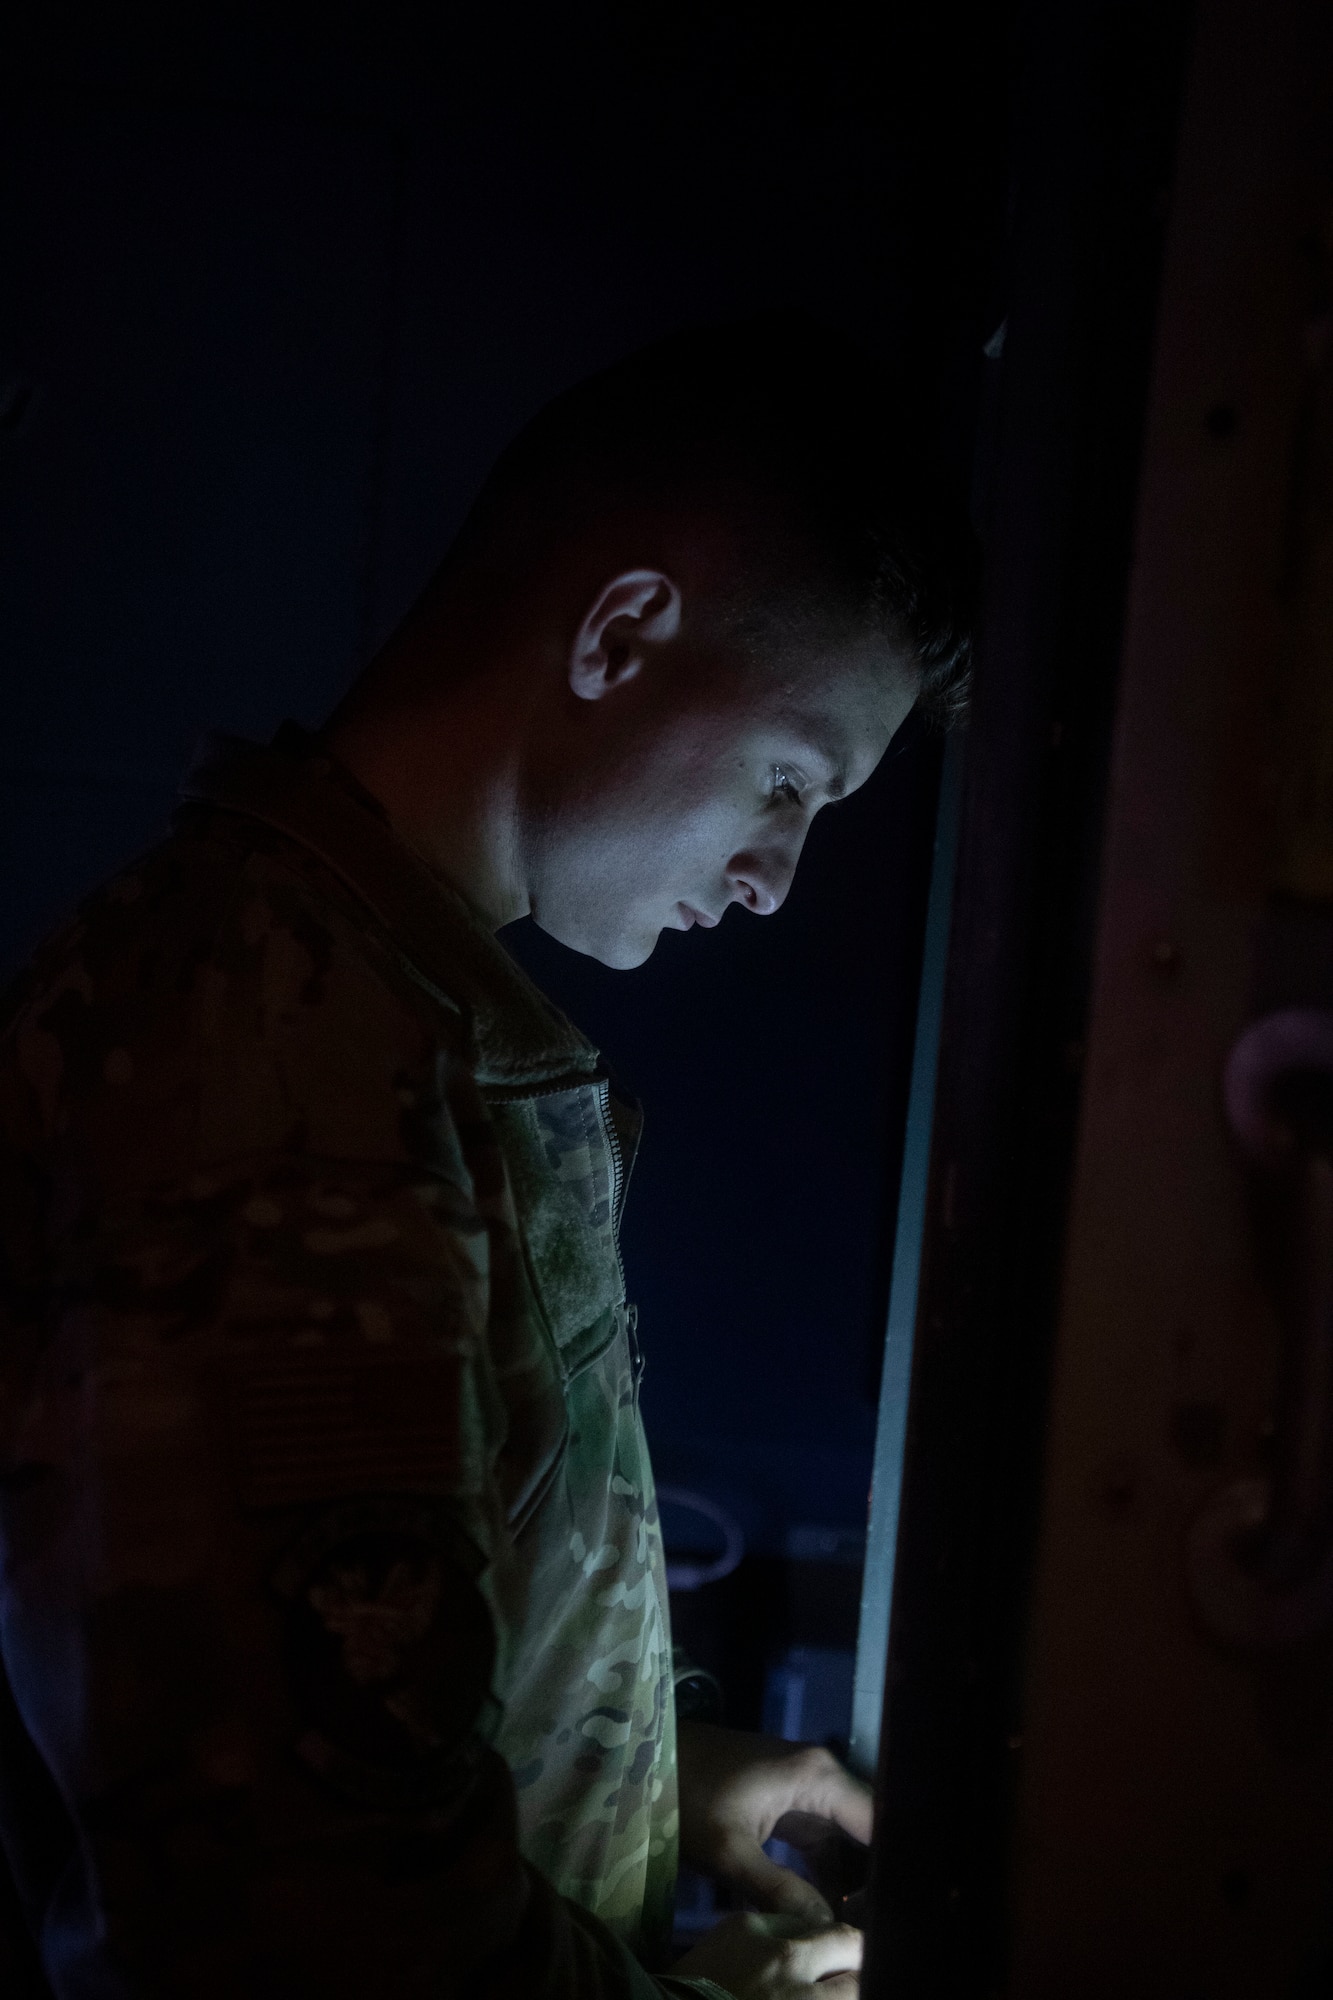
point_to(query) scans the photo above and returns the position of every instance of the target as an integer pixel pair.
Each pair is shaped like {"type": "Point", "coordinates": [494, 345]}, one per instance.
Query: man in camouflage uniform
{"type": "Point", "coordinates": [333, 1615]}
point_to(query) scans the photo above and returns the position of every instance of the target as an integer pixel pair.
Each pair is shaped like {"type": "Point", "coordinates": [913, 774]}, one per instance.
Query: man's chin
{"type": "Point", "coordinates": [621, 953]}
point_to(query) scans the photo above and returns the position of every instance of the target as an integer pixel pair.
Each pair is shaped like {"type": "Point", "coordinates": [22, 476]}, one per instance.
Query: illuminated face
{"type": "Point", "coordinates": [695, 789]}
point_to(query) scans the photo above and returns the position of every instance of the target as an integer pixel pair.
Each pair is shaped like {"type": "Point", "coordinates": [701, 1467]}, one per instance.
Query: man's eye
{"type": "Point", "coordinates": [784, 788]}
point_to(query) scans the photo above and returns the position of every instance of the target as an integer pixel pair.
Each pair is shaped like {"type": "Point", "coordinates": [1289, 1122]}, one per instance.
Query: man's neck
{"type": "Point", "coordinates": [442, 754]}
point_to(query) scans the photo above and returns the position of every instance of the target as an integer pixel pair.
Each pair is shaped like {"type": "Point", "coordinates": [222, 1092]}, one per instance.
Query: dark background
{"type": "Point", "coordinates": [277, 286]}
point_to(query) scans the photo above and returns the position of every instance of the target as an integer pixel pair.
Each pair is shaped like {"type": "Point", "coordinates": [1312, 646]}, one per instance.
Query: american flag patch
{"type": "Point", "coordinates": [322, 1423]}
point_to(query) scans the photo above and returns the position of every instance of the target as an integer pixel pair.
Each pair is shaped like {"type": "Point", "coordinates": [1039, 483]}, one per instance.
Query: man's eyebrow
{"type": "Point", "coordinates": [831, 756]}
{"type": "Point", "coordinates": [818, 752]}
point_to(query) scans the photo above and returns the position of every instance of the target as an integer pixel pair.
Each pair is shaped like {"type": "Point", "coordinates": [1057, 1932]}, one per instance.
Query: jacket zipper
{"type": "Point", "coordinates": [636, 1354]}
{"type": "Point", "coordinates": [617, 1170]}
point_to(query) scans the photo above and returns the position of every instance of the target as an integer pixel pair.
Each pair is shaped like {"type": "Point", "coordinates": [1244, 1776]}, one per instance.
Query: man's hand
{"type": "Point", "coordinates": [735, 1787]}
{"type": "Point", "coordinates": [777, 1958]}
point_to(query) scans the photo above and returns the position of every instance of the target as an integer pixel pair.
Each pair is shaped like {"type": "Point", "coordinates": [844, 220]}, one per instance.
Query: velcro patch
{"type": "Point", "coordinates": [321, 1423]}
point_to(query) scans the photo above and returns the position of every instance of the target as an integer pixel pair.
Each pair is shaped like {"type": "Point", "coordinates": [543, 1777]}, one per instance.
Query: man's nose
{"type": "Point", "coordinates": [760, 881]}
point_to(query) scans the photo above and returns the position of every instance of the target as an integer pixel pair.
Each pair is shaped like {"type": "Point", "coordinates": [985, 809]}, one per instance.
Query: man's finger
{"type": "Point", "coordinates": [837, 1949]}
{"type": "Point", "coordinates": [774, 1888]}
{"type": "Point", "coordinates": [826, 1789]}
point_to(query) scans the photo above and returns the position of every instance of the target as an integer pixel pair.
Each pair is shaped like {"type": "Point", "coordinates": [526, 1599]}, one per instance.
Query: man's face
{"type": "Point", "coordinates": [694, 786]}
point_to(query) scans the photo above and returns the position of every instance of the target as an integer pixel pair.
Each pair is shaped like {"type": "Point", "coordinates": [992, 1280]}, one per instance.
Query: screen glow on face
{"type": "Point", "coordinates": [710, 808]}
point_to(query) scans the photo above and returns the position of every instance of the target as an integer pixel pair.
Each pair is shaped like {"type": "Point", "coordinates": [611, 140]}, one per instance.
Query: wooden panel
{"type": "Point", "coordinates": [1175, 1819]}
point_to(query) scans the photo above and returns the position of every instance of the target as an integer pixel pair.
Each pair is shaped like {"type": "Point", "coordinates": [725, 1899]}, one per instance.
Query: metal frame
{"type": "Point", "coordinates": [872, 1643]}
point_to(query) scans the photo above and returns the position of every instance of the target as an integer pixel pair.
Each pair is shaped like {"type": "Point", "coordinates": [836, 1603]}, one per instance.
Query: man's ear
{"type": "Point", "coordinates": [637, 609]}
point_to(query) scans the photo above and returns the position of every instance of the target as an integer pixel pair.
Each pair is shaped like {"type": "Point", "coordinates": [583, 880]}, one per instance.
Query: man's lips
{"type": "Point", "coordinates": [693, 916]}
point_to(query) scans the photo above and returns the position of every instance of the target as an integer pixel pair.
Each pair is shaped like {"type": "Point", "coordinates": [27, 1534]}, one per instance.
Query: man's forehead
{"type": "Point", "coordinates": [846, 666]}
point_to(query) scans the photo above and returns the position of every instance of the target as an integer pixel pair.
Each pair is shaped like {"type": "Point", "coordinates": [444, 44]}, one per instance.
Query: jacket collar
{"type": "Point", "coordinates": [518, 1039]}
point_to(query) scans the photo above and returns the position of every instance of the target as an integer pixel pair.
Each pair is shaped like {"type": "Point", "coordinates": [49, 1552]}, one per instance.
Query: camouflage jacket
{"type": "Point", "coordinates": [333, 1610]}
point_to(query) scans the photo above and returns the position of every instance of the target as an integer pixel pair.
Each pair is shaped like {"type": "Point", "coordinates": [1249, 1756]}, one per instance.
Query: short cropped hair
{"type": "Point", "coordinates": [795, 433]}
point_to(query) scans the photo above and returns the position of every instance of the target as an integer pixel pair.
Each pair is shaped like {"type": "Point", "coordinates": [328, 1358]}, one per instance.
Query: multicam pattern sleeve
{"type": "Point", "coordinates": [269, 1414]}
